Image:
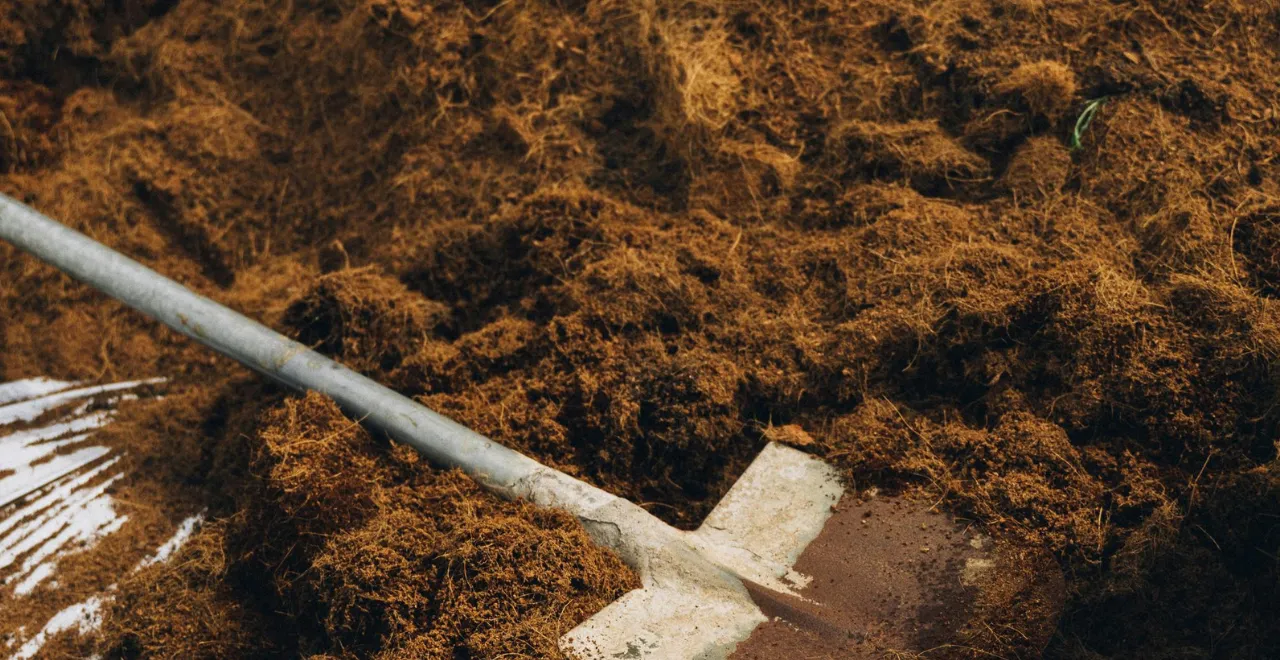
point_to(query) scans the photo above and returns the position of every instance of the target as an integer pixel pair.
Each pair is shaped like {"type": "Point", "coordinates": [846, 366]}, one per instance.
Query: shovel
{"type": "Point", "coordinates": [786, 563]}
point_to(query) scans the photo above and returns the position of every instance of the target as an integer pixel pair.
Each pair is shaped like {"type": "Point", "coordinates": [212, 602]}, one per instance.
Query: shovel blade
{"type": "Point", "coordinates": [788, 564]}
{"type": "Point", "coordinates": [771, 514]}
{"type": "Point", "coordinates": [700, 605]}
{"type": "Point", "coordinates": [676, 621]}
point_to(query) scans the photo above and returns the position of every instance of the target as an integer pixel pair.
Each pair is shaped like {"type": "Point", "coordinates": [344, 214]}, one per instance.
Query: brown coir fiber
{"type": "Point", "coordinates": [373, 553]}
{"type": "Point", "coordinates": [635, 239]}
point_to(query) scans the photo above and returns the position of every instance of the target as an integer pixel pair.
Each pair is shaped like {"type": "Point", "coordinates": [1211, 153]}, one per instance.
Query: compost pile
{"type": "Point", "coordinates": [637, 239]}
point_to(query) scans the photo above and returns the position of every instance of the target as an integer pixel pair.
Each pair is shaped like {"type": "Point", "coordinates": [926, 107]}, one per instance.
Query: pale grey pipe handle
{"type": "Point", "coordinates": [439, 438]}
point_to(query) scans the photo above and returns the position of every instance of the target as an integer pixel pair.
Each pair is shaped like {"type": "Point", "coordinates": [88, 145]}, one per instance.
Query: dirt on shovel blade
{"type": "Point", "coordinates": [891, 577]}
{"type": "Point", "coordinates": [637, 240]}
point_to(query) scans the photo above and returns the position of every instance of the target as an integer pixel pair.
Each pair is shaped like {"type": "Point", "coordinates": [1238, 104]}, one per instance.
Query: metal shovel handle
{"type": "Point", "coordinates": [256, 346]}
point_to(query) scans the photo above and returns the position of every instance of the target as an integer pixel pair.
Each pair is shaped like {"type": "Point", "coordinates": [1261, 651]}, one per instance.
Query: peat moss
{"type": "Point", "coordinates": [637, 239]}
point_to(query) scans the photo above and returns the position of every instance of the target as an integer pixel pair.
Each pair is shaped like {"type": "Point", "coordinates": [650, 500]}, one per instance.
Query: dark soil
{"type": "Point", "coordinates": [636, 239]}
{"type": "Point", "coordinates": [892, 577]}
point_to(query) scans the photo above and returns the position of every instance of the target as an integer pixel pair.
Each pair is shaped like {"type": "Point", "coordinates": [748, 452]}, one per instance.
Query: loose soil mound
{"type": "Point", "coordinates": [636, 239]}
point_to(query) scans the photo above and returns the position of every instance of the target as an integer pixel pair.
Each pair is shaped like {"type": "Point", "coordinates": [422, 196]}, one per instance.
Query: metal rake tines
{"type": "Point", "coordinates": [54, 479]}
